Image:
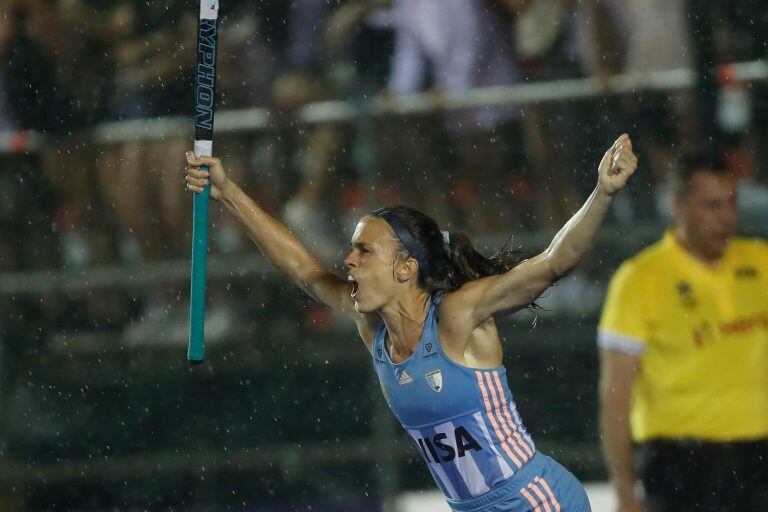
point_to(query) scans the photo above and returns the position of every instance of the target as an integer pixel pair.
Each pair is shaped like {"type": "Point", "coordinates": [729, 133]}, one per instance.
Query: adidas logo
{"type": "Point", "coordinates": [404, 378]}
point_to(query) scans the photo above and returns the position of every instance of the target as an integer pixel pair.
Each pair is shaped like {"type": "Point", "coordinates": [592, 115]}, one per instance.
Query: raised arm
{"type": "Point", "coordinates": [505, 293]}
{"type": "Point", "coordinates": [277, 243]}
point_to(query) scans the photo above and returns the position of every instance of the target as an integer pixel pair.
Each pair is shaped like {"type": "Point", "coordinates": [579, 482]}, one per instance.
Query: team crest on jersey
{"type": "Point", "coordinates": [435, 380]}
{"type": "Point", "coordinates": [404, 378]}
{"type": "Point", "coordinates": [429, 350]}
{"type": "Point", "coordinates": [685, 291]}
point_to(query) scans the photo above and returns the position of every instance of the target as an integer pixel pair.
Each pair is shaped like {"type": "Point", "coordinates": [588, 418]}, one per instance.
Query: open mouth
{"type": "Point", "coordinates": [354, 285]}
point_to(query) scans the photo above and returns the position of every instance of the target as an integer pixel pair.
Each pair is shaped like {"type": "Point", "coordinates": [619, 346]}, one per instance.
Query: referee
{"type": "Point", "coordinates": [684, 359]}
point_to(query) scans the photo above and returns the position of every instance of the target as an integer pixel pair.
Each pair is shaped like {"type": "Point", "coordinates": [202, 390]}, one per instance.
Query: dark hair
{"type": "Point", "coordinates": [691, 164]}
{"type": "Point", "coordinates": [452, 266]}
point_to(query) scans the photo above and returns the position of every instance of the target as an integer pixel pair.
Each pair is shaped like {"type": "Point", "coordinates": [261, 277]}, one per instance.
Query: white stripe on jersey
{"type": "Point", "coordinates": [446, 481]}
{"type": "Point", "coordinates": [437, 471]}
{"type": "Point", "coordinates": [466, 465]}
{"type": "Point", "coordinates": [505, 469]}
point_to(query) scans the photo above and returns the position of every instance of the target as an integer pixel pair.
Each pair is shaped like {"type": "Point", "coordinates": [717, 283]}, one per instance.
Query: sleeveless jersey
{"type": "Point", "coordinates": [463, 420]}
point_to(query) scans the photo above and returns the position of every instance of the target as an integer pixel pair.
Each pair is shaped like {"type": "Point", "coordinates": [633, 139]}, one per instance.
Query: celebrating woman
{"type": "Point", "coordinates": [425, 304]}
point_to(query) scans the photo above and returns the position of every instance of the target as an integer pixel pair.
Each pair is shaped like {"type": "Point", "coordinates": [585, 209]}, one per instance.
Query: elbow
{"type": "Point", "coordinates": [558, 264]}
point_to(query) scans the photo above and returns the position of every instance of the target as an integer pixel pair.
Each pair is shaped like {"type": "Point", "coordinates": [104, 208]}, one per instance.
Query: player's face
{"type": "Point", "coordinates": [708, 213]}
{"type": "Point", "coordinates": [370, 264]}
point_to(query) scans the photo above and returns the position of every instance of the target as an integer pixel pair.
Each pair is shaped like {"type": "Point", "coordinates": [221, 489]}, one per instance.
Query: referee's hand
{"type": "Point", "coordinates": [196, 179]}
{"type": "Point", "coordinates": [617, 165]}
{"type": "Point", "coordinates": [630, 504]}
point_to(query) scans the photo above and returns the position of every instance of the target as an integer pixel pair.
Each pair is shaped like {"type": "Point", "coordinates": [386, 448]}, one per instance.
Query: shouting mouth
{"type": "Point", "coordinates": [354, 285]}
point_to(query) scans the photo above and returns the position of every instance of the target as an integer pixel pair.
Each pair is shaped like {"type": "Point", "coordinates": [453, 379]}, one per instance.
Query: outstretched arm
{"type": "Point", "coordinates": [508, 292]}
{"type": "Point", "coordinates": [277, 243]}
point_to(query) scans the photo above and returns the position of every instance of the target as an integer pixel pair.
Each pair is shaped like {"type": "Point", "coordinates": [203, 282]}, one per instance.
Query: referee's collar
{"type": "Point", "coordinates": [672, 244]}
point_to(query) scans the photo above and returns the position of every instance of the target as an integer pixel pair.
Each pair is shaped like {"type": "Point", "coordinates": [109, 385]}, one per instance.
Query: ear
{"type": "Point", "coordinates": [406, 269]}
{"type": "Point", "coordinates": [677, 205]}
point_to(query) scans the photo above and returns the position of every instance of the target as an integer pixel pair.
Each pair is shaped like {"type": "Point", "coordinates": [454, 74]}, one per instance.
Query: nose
{"type": "Point", "coordinates": [350, 260]}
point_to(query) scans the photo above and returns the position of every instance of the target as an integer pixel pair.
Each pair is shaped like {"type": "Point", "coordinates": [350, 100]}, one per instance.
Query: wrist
{"type": "Point", "coordinates": [602, 191]}
{"type": "Point", "coordinates": [625, 488]}
{"type": "Point", "coordinates": [228, 189]}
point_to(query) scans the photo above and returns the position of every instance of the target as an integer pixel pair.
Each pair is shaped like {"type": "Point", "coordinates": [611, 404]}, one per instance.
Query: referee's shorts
{"type": "Point", "coordinates": [696, 476]}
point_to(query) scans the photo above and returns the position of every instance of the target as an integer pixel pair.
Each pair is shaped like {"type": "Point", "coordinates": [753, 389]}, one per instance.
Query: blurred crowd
{"type": "Point", "coordinates": [484, 169]}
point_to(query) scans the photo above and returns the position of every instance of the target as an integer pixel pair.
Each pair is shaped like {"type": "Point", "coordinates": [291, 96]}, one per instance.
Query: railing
{"type": "Point", "coordinates": [250, 119]}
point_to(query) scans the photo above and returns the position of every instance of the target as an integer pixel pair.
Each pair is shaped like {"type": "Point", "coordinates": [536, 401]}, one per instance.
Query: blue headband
{"type": "Point", "coordinates": [415, 250]}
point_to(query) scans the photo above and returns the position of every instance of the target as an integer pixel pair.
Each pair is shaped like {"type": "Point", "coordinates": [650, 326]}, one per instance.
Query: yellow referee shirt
{"type": "Point", "coordinates": [702, 337]}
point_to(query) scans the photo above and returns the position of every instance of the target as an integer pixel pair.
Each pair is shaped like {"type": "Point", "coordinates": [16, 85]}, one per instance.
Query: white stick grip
{"type": "Point", "coordinates": [209, 9]}
{"type": "Point", "coordinates": [203, 148]}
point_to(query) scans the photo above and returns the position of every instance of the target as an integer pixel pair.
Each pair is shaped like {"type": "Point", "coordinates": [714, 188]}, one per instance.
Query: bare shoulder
{"type": "Point", "coordinates": [458, 306]}
{"type": "Point", "coordinates": [455, 311]}
{"type": "Point", "coordinates": [462, 300]}
{"type": "Point", "coordinates": [465, 341]}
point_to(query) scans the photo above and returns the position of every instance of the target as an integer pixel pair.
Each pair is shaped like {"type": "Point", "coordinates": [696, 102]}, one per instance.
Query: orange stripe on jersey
{"type": "Point", "coordinates": [496, 428]}
{"type": "Point", "coordinates": [531, 500]}
{"type": "Point", "coordinates": [544, 484]}
{"type": "Point", "coordinates": [497, 409]}
{"type": "Point", "coordinates": [509, 417]}
{"type": "Point", "coordinates": [541, 496]}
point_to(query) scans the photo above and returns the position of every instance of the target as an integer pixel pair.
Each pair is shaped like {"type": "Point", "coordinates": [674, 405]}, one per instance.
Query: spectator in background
{"type": "Point", "coordinates": [684, 359]}
{"type": "Point", "coordinates": [298, 164]}
{"type": "Point", "coordinates": [47, 43]}
{"type": "Point", "coordinates": [46, 48]}
{"type": "Point", "coordinates": [556, 134]}
{"type": "Point", "coordinates": [153, 54]}
{"type": "Point", "coordinates": [453, 46]}
{"type": "Point", "coordinates": [641, 37]}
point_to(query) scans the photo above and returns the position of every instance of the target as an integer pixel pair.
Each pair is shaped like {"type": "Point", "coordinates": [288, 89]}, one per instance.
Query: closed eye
{"type": "Point", "coordinates": [363, 248]}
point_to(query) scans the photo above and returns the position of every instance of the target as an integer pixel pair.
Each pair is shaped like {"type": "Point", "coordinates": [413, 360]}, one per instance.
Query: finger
{"type": "Point", "coordinates": [193, 188]}
{"type": "Point", "coordinates": [197, 161]}
{"type": "Point", "coordinates": [617, 156]}
{"type": "Point", "coordinates": [626, 165]}
{"type": "Point", "coordinates": [623, 137]}
{"type": "Point", "coordinates": [197, 173]}
{"type": "Point", "coordinates": [627, 154]}
{"type": "Point", "coordinates": [623, 168]}
{"type": "Point", "coordinates": [191, 158]}
{"type": "Point", "coordinates": [197, 182]}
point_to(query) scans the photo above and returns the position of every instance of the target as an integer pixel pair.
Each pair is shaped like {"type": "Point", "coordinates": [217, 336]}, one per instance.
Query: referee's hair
{"type": "Point", "coordinates": [690, 164]}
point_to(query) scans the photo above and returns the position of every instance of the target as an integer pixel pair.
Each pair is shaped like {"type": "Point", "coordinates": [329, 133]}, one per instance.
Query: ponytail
{"type": "Point", "coordinates": [464, 263]}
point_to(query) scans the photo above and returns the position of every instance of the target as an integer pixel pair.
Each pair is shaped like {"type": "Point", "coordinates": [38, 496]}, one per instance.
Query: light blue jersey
{"type": "Point", "coordinates": [463, 420]}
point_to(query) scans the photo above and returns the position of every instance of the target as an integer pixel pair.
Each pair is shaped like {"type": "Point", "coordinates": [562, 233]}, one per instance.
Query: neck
{"type": "Point", "coordinates": [404, 318]}
{"type": "Point", "coordinates": [707, 257]}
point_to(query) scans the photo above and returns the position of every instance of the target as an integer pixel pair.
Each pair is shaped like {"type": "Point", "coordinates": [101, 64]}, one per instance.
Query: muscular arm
{"type": "Point", "coordinates": [617, 373]}
{"type": "Point", "coordinates": [505, 293]}
{"type": "Point", "coordinates": [284, 250]}
{"type": "Point", "coordinates": [280, 246]}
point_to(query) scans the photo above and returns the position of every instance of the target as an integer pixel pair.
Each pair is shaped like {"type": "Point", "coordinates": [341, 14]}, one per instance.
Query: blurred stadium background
{"type": "Point", "coordinates": [490, 115]}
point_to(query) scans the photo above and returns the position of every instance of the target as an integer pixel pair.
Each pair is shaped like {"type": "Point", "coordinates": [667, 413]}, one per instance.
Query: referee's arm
{"type": "Point", "coordinates": [621, 337]}
{"type": "Point", "coordinates": [617, 374]}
